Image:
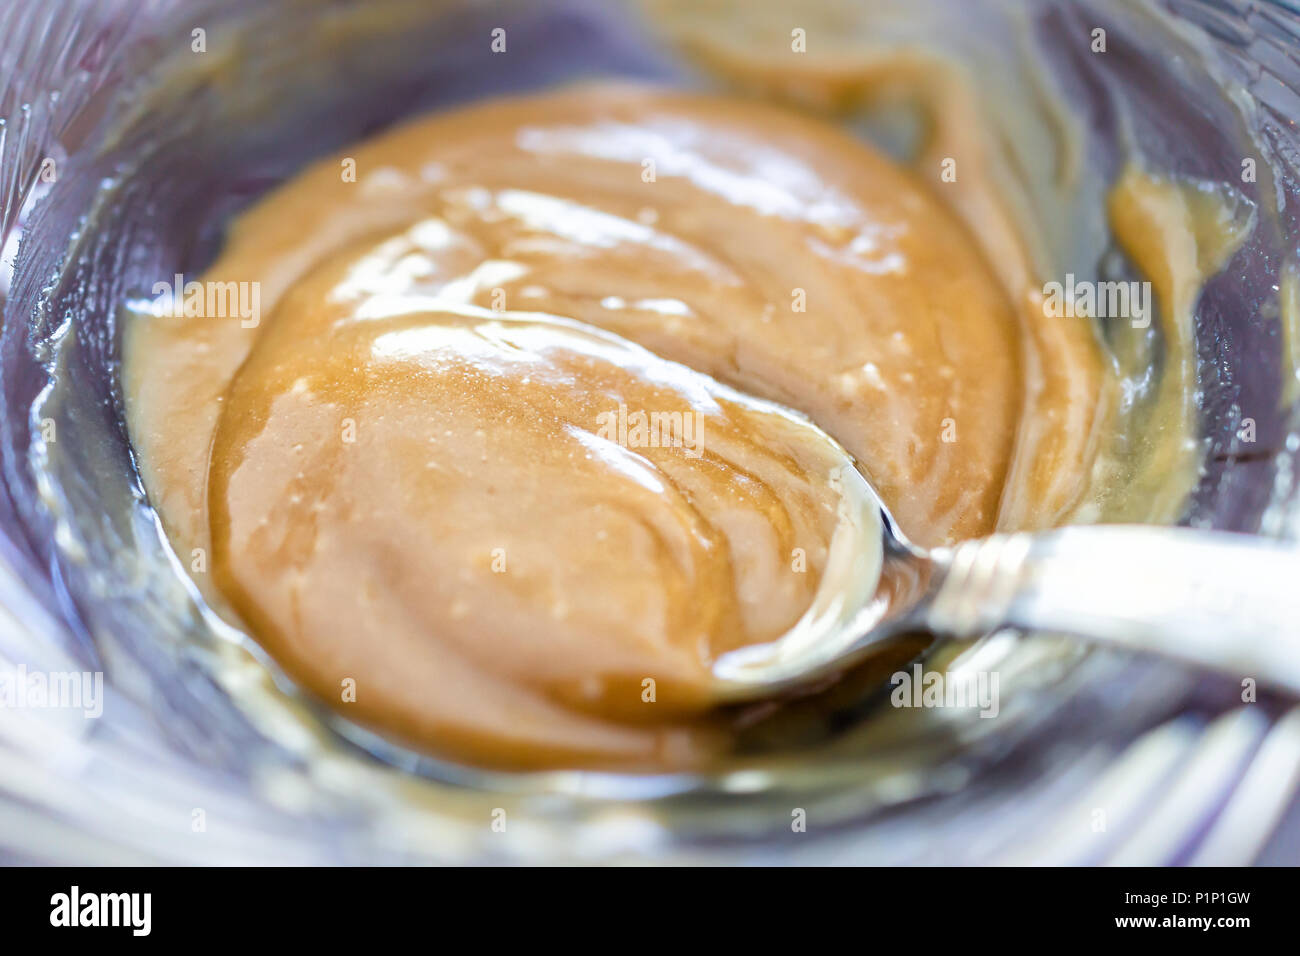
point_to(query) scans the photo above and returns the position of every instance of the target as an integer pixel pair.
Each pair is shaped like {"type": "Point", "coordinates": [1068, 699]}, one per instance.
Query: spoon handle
{"type": "Point", "coordinates": [1224, 602]}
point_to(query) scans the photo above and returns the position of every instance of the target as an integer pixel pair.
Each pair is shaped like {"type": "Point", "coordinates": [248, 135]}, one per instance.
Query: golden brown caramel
{"type": "Point", "coordinates": [424, 473]}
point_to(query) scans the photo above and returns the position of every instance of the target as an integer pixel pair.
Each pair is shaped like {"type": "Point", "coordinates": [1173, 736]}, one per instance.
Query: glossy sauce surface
{"type": "Point", "coordinates": [496, 472]}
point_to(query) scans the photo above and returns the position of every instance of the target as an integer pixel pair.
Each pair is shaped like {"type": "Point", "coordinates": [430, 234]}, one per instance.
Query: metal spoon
{"type": "Point", "coordinates": [1228, 603]}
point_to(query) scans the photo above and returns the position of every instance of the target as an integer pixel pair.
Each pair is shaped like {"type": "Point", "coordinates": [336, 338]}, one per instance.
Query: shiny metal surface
{"type": "Point", "coordinates": [1223, 603]}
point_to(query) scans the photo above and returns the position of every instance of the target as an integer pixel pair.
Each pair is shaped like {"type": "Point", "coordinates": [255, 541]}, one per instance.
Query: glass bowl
{"type": "Point", "coordinates": [134, 131]}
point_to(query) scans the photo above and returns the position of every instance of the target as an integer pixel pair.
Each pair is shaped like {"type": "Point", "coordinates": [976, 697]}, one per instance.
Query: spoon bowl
{"type": "Point", "coordinates": [1221, 602]}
